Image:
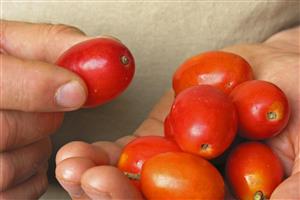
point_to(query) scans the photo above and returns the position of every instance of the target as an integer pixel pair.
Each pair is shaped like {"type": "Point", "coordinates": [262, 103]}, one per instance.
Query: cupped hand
{"type": "Point", "coordinates": [34, 92]}
{"type": "Point", "coordinates": [87, 171]}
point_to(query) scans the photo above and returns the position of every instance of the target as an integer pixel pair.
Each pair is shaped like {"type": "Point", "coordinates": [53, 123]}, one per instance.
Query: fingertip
{"type": "Point", "coordinates": [71, 169]}
{"type": "Point", "coordinates": [112, 150]}
{"type": "Point", "coordinates": [84, 150]}
{"type": "Point", "coordinates": [67, 150]}
{"type": "Point", "coordinates": [108, 182]}
{"type": "Point", "coordinates": [68, 173]}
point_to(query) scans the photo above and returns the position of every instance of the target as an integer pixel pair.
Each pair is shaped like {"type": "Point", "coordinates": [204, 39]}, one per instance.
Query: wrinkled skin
{"type": "Point", "coordinates": [87, 171]}
{"type": "Point", "coordinates": [34, 93]}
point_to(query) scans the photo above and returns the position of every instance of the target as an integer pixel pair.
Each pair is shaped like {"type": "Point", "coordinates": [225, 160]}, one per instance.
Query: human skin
{"type": "Point", "coordinates": [34, 94]}
{"type": "Point", "coordinates": [87, 171]}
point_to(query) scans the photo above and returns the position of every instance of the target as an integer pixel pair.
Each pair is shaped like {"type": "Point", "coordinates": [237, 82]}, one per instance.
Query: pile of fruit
{"type": "Point", "coordinates": [217, 108]}
{"type": "Point", "coordinates": [216, 99]}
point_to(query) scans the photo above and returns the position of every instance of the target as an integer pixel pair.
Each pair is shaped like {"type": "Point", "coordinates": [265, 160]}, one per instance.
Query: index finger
{"type": "Point", "coordinates": [38, 41]}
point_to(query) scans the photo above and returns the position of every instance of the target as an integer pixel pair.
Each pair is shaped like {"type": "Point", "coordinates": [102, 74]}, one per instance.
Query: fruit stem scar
{"type": "Point", "coordinates": [204, 147]}
{"type": "Point", "coordinates": [132, 176]}
{"type": "Point", "coordinates": [259, 196]}
{"type": "Point", "coordinates": [229, 84]}
{"type": "Point", "coordinates": [271, 115]}
{"type": "Point", "coordinates": [124, 60]}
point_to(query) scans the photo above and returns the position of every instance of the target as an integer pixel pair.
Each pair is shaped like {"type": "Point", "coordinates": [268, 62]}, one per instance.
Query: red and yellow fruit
{"type": "Point", "coordinates": [178, 176]}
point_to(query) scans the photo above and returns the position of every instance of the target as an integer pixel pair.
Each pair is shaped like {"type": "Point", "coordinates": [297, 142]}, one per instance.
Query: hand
{"type": "Point", "coordinates": [34, 92]}
{"type": "Point", "coordinates": [87, 171]}
{"type": "Point", "coordinates": [278, 60]}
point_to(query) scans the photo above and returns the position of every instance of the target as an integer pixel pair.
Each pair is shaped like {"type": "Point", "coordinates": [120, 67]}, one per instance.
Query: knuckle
{"type": "Point", "coordinates": [14, 93]}
{"type": "Point", "coordinates": [56, 29]}
{"type": "Point", "coordinates": [51, 122]}
{"type": "Point", "coordinates": [38, 165]}
{"type": "Point", "coordinates": [7, 171]}
{"type": "Point", "coordinates": [57, 121]}
{"type": "Point", "coordinates": [8, 130]}
{"type": "Point", "coordinates": [14, 126]}
{"type": "Point", "coordinates": [47, 145]}
{"type": "Point", "coordinates": [40, 185]}
{"type": "Point", "coordinates": [39, 86]}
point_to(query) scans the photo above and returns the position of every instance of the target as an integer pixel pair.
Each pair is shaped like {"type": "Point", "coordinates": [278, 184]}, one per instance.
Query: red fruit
{"type": "Point", "coordinates": [253, 171]}
{"type": "Point", "coordinates": [204, 121]}
{"type": "Point", "coordinates": [141, 149]}
{"type": "Point", "coordinates": [222, 70]}
{"type": "Point", "coordinates": [168, 130]}
{"type": "Point", "coordinates": [262, 107]}
{"type": "Point", "coordinates": [174, 176]}
{"type": "Point", "coordinates": [106, 66]}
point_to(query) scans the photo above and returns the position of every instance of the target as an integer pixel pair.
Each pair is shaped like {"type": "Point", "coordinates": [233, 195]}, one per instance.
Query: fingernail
{"type": "Point", "coordinates": [70, 95]}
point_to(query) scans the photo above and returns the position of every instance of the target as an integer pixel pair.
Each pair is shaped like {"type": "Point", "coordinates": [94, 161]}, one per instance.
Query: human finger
{"type": "Point", "coordinates": [29, 189]}
{"type": "Point", "coordinates": [17, 128]}
{"type": "Point", "coordinates": [108, 182]}
{"type": "Point", "coordinates": [35, 86]}
{"type": "Point", "coordinates": [20, 164]}
{"type": "Point", "coordinates": [38, 41]}
{"type": "Point", "coordinates": [68, 173]}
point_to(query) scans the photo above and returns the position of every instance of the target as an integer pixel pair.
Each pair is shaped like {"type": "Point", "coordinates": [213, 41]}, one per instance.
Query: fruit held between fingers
{"type": "Point", "coordinates": [106, 66]}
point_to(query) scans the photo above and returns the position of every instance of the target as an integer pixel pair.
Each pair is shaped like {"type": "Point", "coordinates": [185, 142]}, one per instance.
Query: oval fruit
{"type": "Point", "coordinates": [106, 66]}
{"type": "Point", "coordinates": [141, 149]}
{"type": "Point", "coordinates": [222, 70]}
{"type": "Point", "coordinates": [262, 107]}
{"type": "Point", "coordinates": [204, 121]}
{"type": "Point", "coordinates": [174, 175]}
{"type": "Point", "coordinates": [253, 171]}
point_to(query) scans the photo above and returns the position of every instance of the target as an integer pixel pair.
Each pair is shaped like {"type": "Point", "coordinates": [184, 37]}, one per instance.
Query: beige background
{"type": "Point", "coordinates": [161, 35]}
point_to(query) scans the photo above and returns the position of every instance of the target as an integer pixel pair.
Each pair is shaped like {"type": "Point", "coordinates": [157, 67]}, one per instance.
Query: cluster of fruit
{"type": "Point", "coordinates": [216, 98]}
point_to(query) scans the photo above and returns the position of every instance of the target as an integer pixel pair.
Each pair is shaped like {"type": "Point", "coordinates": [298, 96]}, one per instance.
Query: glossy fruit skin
{"type": "Point", "coordinates": [177, 175]}
{"type": "Point", "coordinates": [222, 70]}
{"type": "Point", "coordinates": [253, 167]}
{"type": "Point", "coordinates": [204, 121]}
{"type": "Point", "coordinates": [141, 149]}
{"type": "Point", "coordinates": [168, 129]}
{"type": "Point", "coordinates": [105, 64]}
{"type": "Point", "coordinates": [255, 100]}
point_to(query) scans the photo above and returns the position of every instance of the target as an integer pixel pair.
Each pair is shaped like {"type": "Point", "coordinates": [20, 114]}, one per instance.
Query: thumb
{"type": "Point", "coordinates": [34, 86]}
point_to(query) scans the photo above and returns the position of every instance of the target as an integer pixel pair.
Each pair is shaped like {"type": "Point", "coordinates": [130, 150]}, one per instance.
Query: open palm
{"type": "Point", "coordinates": [87, 171]}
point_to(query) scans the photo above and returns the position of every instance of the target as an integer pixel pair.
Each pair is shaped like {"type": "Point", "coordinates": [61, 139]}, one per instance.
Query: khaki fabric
{"type": "Point", "coordinates": [161, 35]}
